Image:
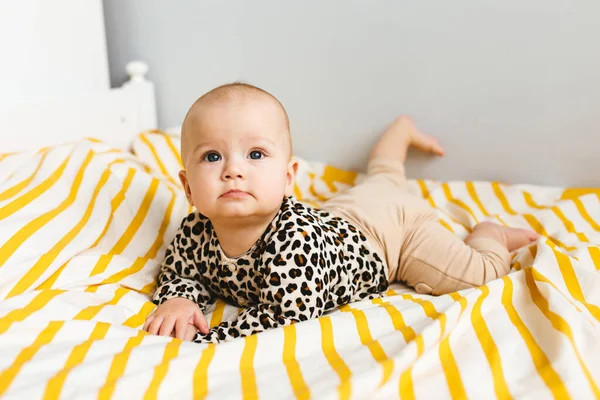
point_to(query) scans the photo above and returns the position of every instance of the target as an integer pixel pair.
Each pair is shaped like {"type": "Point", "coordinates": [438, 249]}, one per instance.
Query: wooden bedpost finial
{"type": "Point", "coordinates": [137, 70]}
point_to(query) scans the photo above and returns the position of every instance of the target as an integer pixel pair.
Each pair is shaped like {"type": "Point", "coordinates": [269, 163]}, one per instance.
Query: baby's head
{"type": "Point", "coordinates": [237, 153]}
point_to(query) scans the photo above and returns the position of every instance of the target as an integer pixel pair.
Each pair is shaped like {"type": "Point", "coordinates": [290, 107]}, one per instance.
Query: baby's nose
{"type": "Point", "coordinates": [233, 170]}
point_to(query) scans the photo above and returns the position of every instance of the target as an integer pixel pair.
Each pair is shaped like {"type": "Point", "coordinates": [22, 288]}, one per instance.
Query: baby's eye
{"type": "Point", "coordinates": [256, 155]}
{"type": "Point", "coordinates": [212, 157]}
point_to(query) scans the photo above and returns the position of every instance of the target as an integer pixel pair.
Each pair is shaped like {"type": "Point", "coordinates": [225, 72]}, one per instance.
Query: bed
{"type": "Point", "coordinates": [85, 218]}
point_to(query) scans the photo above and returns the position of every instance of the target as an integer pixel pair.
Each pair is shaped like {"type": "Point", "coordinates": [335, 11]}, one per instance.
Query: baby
{"type": "Point", "coordinates": [252, 243]}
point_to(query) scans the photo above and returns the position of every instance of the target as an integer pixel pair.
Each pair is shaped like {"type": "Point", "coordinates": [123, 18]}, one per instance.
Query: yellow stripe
{"type": "Point", "coordinates": [397, 320]}
{"type": "Point", "coordinates": [539, 228]}
{"type": "Point", "coordinates": [407, 389]}
{"type": "Point", "coordinates": [115, 203]}
{"type": "Point", "coordinates": [159, 162]}
{"type": "Point", "coordinates": [20, 202]}
{"type": "Point", "coordinates": [425, 192]}
{"type": "Point", "coordinates": [334, 359]}
{"type": "Point", "coordinates": [572, 283]}
{"type": "Point", "coordinates": [147, 289]}
{"type": "Point", "coordinates": [12, 244]}
{"type": "Point", "coordinates": [585, 214]}
{"type": "Point", "coordinates": [572, 193]}
{"type": "Point", "coordinates": [299, 386]}
{"type": "Point", "coordinates": [445, 225]}
{"type": "Point", "coordinates": [45, 337]}
{"type": "Point", "coordinates": [146, 141]}
{"type": "Point", "coordinates": [34, 305]}
{"type": "Point", "coordinates": [201, 372]}
{"type": "Point", "coordinates": [217, 314]}
{"type": "Point", "coordinates": [131, 230]}
{"type": "Point", "coordinates": [538, 276]}
{"type": "Point", "coordinates": [502, 198]}
{"type": "Point", "coordinates": [14, 190]}
{"type": "Point", "coordinates": [595, 255]}
{"type": "Point", "coordinates": [475, 197]}
{"type": "Point", "coordinates": [569, 225]}
{"type": "Point", "coordinates": [173, 150]}
{"type": "Point", "coordinates": [43, 263]}
{"type": "Point", "coordinates": [297, 192]}
{"type": "Point", "coordinates": [426, 195]}
{"type": "Point", "coordinates": [55, 384]}
{"type": "Point", "coordinates": [455, 384]}
{"type": "Point", "coordinates": [406, 386]}
{"type": "Point", "coordinates": [458, 202]}
{"type": "Point", "coordinates": [489, 346]}
{"type": "Point", "coordinates": [138, 319]}
{"type": "Point", "coordinates": [540, 360]}
{"type": "Point", "coordinates": [332, 174]}
{"type": "Point", "coordinates": [117, 367]}
{"type": "Point", "coordinates": [377, 352]}
{"type": "Point", "coordinates": [248, 375]}
{"type": "Point", "coordinates": [531, 203]}
{"type": "Point", "coordinates": [428, 306]}
{"type": "Point", "coordinates": [160, 371]}
{"type": "Point", "coordinates": [150, 254]}
{"type": "Point", "coordinates": [90, 312]}
{"type": "Point", "coordinates": [313, 191]}
{"type": "Point", "coordinates": [558, 323]}
{"type": "Point", "coordinates": [6, 155]}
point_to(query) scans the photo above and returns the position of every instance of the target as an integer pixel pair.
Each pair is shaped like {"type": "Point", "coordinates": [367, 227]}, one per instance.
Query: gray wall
{"type": "Point", "coordinates": [511, 88]}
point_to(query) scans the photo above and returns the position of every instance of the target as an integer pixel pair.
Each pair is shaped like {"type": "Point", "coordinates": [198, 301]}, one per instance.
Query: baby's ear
{"type": "Point", "coordinates": [291, 177]}
{"type": "Point", "coordinates": [186, 186]}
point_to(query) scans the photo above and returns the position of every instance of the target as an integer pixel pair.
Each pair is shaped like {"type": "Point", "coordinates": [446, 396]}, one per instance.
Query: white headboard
{"type": "Point", "coordinates": [113, 116]}
{"type": "Point", "coordinates": [54, 78]}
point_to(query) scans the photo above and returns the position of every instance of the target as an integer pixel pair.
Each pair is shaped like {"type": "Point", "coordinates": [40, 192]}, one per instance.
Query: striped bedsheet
{"type": "Point", "coordinates": [84, 227]}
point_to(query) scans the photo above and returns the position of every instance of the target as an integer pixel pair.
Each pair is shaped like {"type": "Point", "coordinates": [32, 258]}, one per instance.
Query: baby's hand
{"type": "Point", "coordinates": [190, 333]}
{"type": "Point", "coordinates": [173, 316]}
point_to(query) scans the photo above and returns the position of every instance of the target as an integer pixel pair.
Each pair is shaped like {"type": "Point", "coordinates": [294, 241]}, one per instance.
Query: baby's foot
{"type": "Point", "coordinates": [399, 136]}
{"type": "Point", "coordinates": [406, 127]}
{"type": "Point", "coordinates": [513, 238]}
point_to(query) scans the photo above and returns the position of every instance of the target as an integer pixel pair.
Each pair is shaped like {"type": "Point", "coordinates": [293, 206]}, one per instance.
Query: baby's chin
{"type": "Point", "coordinates": [241, 210]}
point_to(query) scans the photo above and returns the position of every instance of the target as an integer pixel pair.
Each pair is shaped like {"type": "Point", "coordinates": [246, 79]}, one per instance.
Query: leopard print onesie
{"type": "Point", "coordinates": [306, 263]}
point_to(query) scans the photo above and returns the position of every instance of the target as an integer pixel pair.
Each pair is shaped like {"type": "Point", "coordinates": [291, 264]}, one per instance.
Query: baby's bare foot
{"type": "Point", "coordinates": [406, 127]}
{"type": "Point", "coordinates": [428, 144]}
{"type": "Point", "coordinates": [513, 238]}
{"type": "Point", "coordinates": [399, 136]}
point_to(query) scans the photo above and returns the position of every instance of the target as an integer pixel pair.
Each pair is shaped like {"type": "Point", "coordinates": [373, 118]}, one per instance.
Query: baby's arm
{"type": "Point", "coordinates": [179, 277]}
{"type": "Point", "coordinates": [178, 280]}
{"type": "Point", "coordinates": [295, 290]}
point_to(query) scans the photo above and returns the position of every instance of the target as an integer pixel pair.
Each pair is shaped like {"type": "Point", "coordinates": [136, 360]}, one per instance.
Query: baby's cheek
{"type": "Point", "coordinates": [202, 192]}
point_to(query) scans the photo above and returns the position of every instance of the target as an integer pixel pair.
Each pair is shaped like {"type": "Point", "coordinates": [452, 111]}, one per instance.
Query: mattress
{"type": "Point", "coordinates": [84, 227]}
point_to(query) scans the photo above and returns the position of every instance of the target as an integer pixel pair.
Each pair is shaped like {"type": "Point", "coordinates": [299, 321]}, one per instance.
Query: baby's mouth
{"type": "Point", "coordinates": [234, 193]}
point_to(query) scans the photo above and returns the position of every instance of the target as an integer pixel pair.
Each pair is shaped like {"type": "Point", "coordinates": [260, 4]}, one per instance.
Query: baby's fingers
{"type": "Point", "coordinates": [190, 332]}
{"type": "Point", "coordinates": [167, 326]}
{"type": "Point", "coordinates": [180, 328]}
{"type": "Point", "coordinates": [200, 321]}
{"type": "Point", "coordinates": [148, 322]}
{"type": "Point", "coordinates": [155, 324]}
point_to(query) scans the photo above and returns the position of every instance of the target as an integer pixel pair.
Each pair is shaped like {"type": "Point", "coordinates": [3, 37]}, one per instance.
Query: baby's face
{"type": "Point", "coordinates": [237, 159]}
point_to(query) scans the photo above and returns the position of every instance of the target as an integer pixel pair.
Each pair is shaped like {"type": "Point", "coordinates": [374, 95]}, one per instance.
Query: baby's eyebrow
{"type": "Point", "coordinates": [262, 139]}
{"type": "Point", "coordinates": [201, 145]}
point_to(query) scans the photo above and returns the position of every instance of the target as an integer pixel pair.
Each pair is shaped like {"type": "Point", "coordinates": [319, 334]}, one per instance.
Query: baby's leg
{"type": "Point", "coordinates": [435, 261]}
{"type": "Point", "coordinates": [398, 137]}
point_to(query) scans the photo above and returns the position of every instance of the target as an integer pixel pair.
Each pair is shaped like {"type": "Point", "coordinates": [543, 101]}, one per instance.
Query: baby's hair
{"type": "Point", "coordinates": [229, 91]}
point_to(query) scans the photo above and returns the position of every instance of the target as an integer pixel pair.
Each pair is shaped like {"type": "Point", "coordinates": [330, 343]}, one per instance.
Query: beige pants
{"type": "Point", "coordinates": [404, 229]}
